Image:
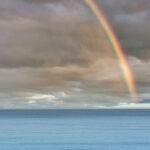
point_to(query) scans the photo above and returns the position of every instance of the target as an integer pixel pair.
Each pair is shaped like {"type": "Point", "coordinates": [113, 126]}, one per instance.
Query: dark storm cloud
{"type": "Point", "coordinates": [131, 22]}
{"type": "Point", "coordinates": [53, 53]}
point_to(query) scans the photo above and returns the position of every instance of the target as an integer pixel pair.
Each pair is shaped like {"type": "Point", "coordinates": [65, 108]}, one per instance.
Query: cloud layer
{"type": "Point", "coordinates": [54, 54]}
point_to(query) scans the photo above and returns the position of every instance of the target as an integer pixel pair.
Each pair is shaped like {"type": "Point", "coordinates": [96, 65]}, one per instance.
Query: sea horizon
{"type": "Point", "coordinates": [79, 112]}
{"type": "Point", "coordinates": [106, 129]}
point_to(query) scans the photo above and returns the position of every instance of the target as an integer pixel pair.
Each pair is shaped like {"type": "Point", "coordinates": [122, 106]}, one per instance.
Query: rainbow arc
{"type": "Point", "coordinates": [126, 70]}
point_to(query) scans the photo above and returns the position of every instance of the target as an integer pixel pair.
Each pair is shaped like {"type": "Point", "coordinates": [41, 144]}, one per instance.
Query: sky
{"type": "Point", "coordinates": [55, 54]}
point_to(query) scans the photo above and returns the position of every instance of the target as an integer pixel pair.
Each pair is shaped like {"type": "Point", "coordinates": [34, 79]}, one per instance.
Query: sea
{"type": "Point", "coordinates": [104, 129]}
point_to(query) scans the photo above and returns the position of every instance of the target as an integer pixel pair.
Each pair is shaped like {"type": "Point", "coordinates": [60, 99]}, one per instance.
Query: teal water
{"type": "Point", "coordinates": [75, 130]}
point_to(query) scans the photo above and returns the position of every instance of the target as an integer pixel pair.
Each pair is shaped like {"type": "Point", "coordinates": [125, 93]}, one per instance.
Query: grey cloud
{"type": "Point", "coordinates": [130, 20]}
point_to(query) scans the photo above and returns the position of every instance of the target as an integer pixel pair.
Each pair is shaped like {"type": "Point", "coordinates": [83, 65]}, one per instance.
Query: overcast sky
{"type": "Point", "coordinates": [55, 54]}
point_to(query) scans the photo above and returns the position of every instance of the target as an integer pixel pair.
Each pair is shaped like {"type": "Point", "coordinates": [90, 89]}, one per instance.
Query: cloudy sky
{"type": "Point", "coordinates": [55, 54]}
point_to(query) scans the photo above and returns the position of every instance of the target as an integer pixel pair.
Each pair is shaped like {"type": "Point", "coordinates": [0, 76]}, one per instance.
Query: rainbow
{"type": "Point", "coordinates": [126, 70]}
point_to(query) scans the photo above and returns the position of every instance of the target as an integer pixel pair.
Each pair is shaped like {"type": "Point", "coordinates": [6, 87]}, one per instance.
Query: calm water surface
{"type": "Point", "coordinates": [75, 129]}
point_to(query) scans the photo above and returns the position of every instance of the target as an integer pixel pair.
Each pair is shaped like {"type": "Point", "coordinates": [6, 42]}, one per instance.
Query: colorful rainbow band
{"type": "Point", "coordinates": [128, 76]}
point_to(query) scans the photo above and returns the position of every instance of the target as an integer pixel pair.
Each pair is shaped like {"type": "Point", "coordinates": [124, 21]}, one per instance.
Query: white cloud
{"type": "Point", "coordinates": [125, 106]}
{"type": "Point", "coordinates": [63, 94]}
{"type": "Point", "coordinates": [133, 106]}
{"type": "Point", "coordinates": [41, 97]}
{"type": "Point", "coordinates": [31, 102]}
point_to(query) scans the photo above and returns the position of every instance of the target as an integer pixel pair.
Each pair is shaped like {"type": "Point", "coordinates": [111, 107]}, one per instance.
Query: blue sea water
{"type": "Point", "coordinates": [75, 130]}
